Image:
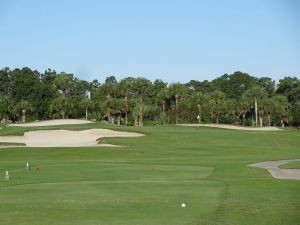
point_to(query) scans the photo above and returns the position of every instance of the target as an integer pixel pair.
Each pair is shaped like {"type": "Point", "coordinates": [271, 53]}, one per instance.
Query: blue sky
{"type": "Point", "coordinates": [170, 40]}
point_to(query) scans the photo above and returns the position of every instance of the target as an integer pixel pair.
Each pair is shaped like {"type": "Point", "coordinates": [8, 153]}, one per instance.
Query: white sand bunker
{"type": "Point", "coordinates": [66, 138]}
{"type": "Point", "coordinates": [233, 127]}
{"type": "Point", "coordinates": [50, 123]}
{"type": "Point", "coordinates": [276, 172]}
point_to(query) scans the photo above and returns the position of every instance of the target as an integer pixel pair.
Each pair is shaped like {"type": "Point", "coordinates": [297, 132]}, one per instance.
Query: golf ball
{"type": "Point", "coordinates": [183, 205]}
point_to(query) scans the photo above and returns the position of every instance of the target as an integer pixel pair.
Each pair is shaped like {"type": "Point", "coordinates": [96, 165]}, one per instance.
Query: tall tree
{"type": "Point", "coordinates": [125, 87]}
{"type": "Point", "coordinates": [24, 84]}
{"type": "Point", "coordinates": [254, 95]}
{"type": "Point", "coordinates": [24, 106]}
{"type": "Point", "coordinates": [177, 90]}
{"type": "Point", "coordinates": [5, 81]}
{"type": "Point", "coordinates": [60, 106]}
{"type": "Point", "coordinates": [217, 104]}
{"type": "Point", "coordinates": [109, 89]}
{"type": "Point", "coordinates": [288, 87]}
{"type": "Point", "coordinates": [5, 106]}
{"type": "Point", "coordinates": [199, 98]}
{"type": "Point", "coordinates": [280, 107]}
{"type": "Point", "coordinates": [296, 113]}
{"type": "Point", "coordinates": [87, 104]}
{"type": "Point", "coordinates": [141, 86]}
{"type": "Point", "coordinates": [268, 84]}
{"type": "Point", "coordinates": [64, 83]}
{"type": "Point", "coordinates": [162, 96]}
{"type": "Point", "coordinates": [234, 85]}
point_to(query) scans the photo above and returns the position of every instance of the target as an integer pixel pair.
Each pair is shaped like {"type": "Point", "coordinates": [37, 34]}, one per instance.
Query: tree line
{"type": "Point", "coordinates": [238, 98]}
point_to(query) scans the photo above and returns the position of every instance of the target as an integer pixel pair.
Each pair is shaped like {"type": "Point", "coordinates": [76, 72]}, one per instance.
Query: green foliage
{"type": "Point", "coordinates": [217, 104]}
{"type": "Point", "coordinates": [5, 106]}
{"type": "Point", "coordinates": [57, 95]}
{"type": "Point", "coordinates": [296, 113]}
{"type": "Point", "coordinates": [5, 80]}
{"type": "Point", "coordinates": [234, 85]}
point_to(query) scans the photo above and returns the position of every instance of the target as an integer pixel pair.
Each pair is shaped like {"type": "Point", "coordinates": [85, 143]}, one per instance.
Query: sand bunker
{"type": "Point", "coordinates": [276, 172]}
{"type": "Point", "coordinates": [233, 127]}
{"type": "Point", "coordinates": [50, 123]}
{"type": "Point", "coordinates": [66, 138]}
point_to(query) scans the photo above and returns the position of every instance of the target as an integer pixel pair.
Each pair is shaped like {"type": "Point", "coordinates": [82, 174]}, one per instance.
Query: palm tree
{"type": "Point", "coordinates": [61, 105]}
{"type": "Point", "coordinates": [254, 95]}
{"type": "Point", "coordinates": [5, 106]}
{"type": "Point", "coordinates": [24, 106]}
{"type": "Point", "coordinates": [125, 88]}
{"type": "Point", "coordinates": [63, 83]}
{"type": "Point", "coordinates": [139, 109]}
{"type": "Point", "coordinates": [108, 90]}
{"type": "Point", "coordinates": [161, 97]}
{"type": "Point", "coordinates": [177, 90]}
{"type": "Point", "coordinates": [198, 99]}
{"type": "Point", "coordinates": [217, 103]}
{"type": "Point", "coordinates": [281, 108]}
{"type": "Point", "coordinates": [86, 103]}
{"type": "Point", "coordinates": [242, 106]}
{"type": "Point", "coordinates": [117, 106]}
{"type": "Point", "coordinates": [141, 86]}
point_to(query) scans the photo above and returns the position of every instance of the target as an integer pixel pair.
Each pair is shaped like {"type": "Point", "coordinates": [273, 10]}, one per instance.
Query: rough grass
{"type": "Point", "coordinates": [292, 165]}
{"type": "Point", "coordinates": [146, 181]}
{"type": "Point", "coordinates": [11, 144]}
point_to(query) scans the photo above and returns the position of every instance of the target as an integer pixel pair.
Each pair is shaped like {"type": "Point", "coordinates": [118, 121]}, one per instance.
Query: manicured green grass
{"type": "Point", "coordinates": [292, 165]}
{"type": "Point", "coordinates": [146, 181]}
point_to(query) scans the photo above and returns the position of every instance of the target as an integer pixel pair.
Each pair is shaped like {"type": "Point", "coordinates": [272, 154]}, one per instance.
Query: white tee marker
{"type": "Point", "coordinates": [6, 177]}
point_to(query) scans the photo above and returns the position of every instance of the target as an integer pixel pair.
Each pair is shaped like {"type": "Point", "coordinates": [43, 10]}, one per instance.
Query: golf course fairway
{"type": "Point", "coordinates": [146, 181]}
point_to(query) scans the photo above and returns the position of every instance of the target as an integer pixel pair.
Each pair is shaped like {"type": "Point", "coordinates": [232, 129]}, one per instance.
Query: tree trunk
{"type": "Point", "coordinates": [86, 113]}
{"type": "Point", "coordinates": [269, 119]}
{"type": "Point", "coordinates": [126, 111]}
{"type": "Point", "coordinates": [63, 115]}
{"type": "Point", "coordinates": [141, 123]}
{"type": "Point", "coordinates": [24, 116]}
{"type": "Point", "coordinates": [255, 108]}
{"type": "Point", "coordinates": [136, 122]}
{"type": "Point", "coordinates": [217, 118]}
{"type": "Point", "coordinates": [260, 121]}
{"type": "Point", "coordinates": [109, 117]}
{"type": "Point", "coordinates": [244, 115]}
{"type": "Point", "coordinates": [108, 98]}
{"type": "Point", "coordinates": [119, 120]}
{"type": "Point", "coordinates": [177, 101]}
{"type": "Point", "coordinates": [113, 119]}
{"type": "Point", "coordinates": [163, 109]}
{"type": "Point", "coordinates": [199, 113]}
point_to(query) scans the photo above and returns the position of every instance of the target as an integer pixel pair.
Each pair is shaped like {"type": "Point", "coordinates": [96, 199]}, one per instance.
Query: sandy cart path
{"type": "Point", "coordinates": [276, 172]}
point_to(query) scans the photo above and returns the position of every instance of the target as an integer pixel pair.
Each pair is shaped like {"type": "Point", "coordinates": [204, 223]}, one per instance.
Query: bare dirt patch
{"type": "Point", "coordinates": [276, 172]}
{"type": "Point", "coordinates": [66, 138]}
